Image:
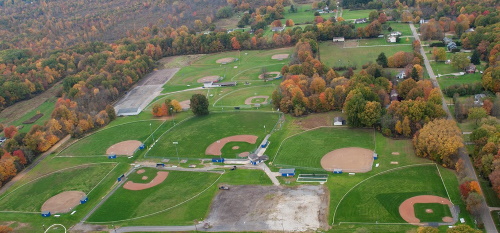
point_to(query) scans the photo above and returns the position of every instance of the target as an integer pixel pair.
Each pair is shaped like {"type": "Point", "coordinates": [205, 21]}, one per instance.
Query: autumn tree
{"type": "Point", "coordinates": [289, 23]}
{"type": "Point", "coordinates": [439, 140]}
{"type": "Point", "coordinates": [10, 131]}
{"type": "Point", "coordinates": [427, 230]}
{"type": "Point", "coordinates": [474, 202]}
{"type": "Point", "coordinates": [477, 114]}
{"type": "Point", "coordinates": [5, 229]}
{"type": "Point", "coordinates": [199, 105]}
{"type": "Point", "coordinates": [371, 114]}
{"type": "Point", "coordinates": [460, 60]}
{"type": "Point", "coordinates": [462, 228]}
{"type": "Point", "coordinates": [439, 54]}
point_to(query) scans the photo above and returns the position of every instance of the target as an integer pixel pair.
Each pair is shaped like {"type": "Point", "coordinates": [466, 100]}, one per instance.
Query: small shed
{"type": "Point", "coordinates": [471, 69]}
{"type": "Point", "coordinates": [120, 178]}
{"type": "Point", "coordinates": [84, 200]}
{"type": "Point", "coordinates": [111, 156]}
{"type": "Point", "coordinates": [392, 39]}
{"type": "Point", "coordinates": [337, 171]}
{"type": "Point", "coordinates": [264, 143]}
{"type": "Point", "coordinates": [338, 121]}
{"type": "Point", "coordinates": [363, 20]}
{"type": "Point", "coordinates": [142, 146]}
{"type": "Point", "coordinates": [287, 172]}
{"type": "Point", "coordinates": [338, 39]}
{"type": "Point", "coordinates": [375, 155]}
{"type": "Point", "coordinates": [218, 160]}
{"type": "Point", "coordinates": [46, 214]}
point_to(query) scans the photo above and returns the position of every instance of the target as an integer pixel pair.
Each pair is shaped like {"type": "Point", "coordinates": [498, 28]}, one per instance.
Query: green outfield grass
{"type": "Point", "coordinates": [439, 211]}
{"type": "Point", "coordinates": [378, 199]}
{"type": "Point", "coordinates": [177, 187]}
{"type": "Point", "coordinates": [31, 196]}
{"type": "Point", "coordinates": [238, 97]}
{"type": "Point", "coordinates": [331, 54]}
{"type": "Point", "coordinates": [97, 143]}
{"type": "Point", "coordinates": [306, 149]}
{"type": "Point", "coordinates": [248, 67]}
{"type": "Point", "coordinates": [196, 134]}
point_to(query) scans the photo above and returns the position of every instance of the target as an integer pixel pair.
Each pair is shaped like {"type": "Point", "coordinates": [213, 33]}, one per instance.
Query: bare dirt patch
{"type": "Point", "coordinates": [124, 148]}
{"type": "Point", "coordinates": [225, 60]}
{"type": "Point", "coordinates": [261, 76]}
{"type": "Point", "coordinates": [314, 120]}
{"type": "Point", "coordinates": [159, 178]}
{"type": "Point", "coordinates": [140, 171]}
{"type": "Point", "coordinates": [215, 148]}
{"type": "Point", "coordinates": [186, 104]}
{"type": "Point", "coordinates": [270, 208]}
{"type": "Point", "coordinates": [395, 153]}
{"type": "Point", "coordinates": [63, 202]}
{"type": "Point", "coordinates": [350, 159]}
{"type": "Point", "coordinates": [351, 44]}
{"type": "Point", "coordinates": [249, 100]}
{"type": "Point", "coordinates": [212, 78]}
{"type": "Point", "coordinates": [407, 210]}
{"type": "Point", "coordinates": [179, 61]}
{"type": "Point", "coordinates": [244, 154]}
{"type": "Point", "coordinates": [280, 56]}
{"type": "Point", "coordinates": [235, 147]}
{"type": "Point", "coordinates": [447, 219]}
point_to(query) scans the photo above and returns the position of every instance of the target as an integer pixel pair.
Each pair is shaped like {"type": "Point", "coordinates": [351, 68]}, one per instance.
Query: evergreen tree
{"type": "Point", "coordinates": [475, 58]}
{"type": "Point", "coordinates": [382, 60]}
{"type": "Point", "coordinates": [414, 74]}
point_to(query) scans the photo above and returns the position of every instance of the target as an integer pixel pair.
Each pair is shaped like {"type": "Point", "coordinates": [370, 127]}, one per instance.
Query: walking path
{"type": "Point", "coordinates": [31, 166]}
{"type": "Point", "coordinates": [489, 225]}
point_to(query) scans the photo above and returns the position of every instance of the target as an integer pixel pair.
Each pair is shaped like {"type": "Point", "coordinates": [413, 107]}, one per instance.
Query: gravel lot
{"type": "Point", "coordinates": [270, 208]}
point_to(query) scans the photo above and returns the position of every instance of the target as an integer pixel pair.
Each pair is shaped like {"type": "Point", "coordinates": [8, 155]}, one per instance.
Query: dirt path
{"type": "Point", "coordinates": [31, 166]}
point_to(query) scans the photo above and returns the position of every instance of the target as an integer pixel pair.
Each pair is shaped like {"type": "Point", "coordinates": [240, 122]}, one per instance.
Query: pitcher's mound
{"type": "Point", "coordinates": [124, 148]}
{"type": "Point", "coordinates": [213, 78]}
{"type": "Point", "coordinates": [280, 56]}
{"type": "Point", "coordinates": [350, 159]}
{"type": "Point", "coordinates": [63, 202]}
{"type": "Point", "coordinates": [225, 60]}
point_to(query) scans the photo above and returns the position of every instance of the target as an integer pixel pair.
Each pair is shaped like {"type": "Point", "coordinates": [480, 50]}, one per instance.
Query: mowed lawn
{"type": "Point", "coordinates": [248, 67]}
{"type": "Point", "coordinates": [305, 150]}
{"type": "Point", "coordinates": [304, 14]}
{"type": "Point", "coordinates": [447, 81]}
{"type": "Point", "coordinates": [378, 198]}
{"type": "Point", "coordinates": [238, 97]}
{"type": "Point", "coordinates": [178, 187]}
{"type": "Point", "coordinates": [99, 142]}
{"type": "Point", "coordinates": [356, 14]}
{"type": "Point", "coordinates": [31, 196]}
{"type": "Point", "coordinates": [335, 55]}
{"type": "Point", "coordinates": [46, 109]}
{"type": "Point", "coordinates": [196, 134]}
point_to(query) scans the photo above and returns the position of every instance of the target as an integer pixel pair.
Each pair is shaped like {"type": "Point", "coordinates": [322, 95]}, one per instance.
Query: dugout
{"type": "Point", "coordinates": [286, 172]}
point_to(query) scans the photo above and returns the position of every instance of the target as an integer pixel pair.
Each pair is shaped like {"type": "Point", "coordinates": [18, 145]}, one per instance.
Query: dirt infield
{"type": "Point", "coordinates": [407, 211]}
{"type": "Point", "coordinates": [261, 76]}
{"type": "Point", "coordinates": [280, 56]}
{"type": "Point", "coordinates": [270, 208]}
{"type": "Point", "coordinates": [249, 100]}
{"type": "Point", "coordinates": [63, 202]}
{"type": "Point", "coordinates": [215, 148]}
{"type": "Point", "coordinates": [159, 178]}
{"type": "Point", "coordinates": [212, 78]}
{"type": "Point", "coordinates": [140, 171]}
{"type": "Point", "coordinates": [225, 60]}
{"type": "Point", "coordinates": [124, 148]}
{"type": "Point", "coordinates": [350, 159]}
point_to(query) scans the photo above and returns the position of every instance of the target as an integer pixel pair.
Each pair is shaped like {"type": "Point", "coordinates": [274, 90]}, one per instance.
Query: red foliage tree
{"type": "Point", "coordinates": [10, 131]}
{"type": "Point", "coordinates": [20, 154]}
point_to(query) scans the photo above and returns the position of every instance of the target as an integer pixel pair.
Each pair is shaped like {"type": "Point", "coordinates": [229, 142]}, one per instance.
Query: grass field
{"type": "Point", "coordinates": [335, 55]}
{"type": "Point", "coordinates": [31, 196]}
{"type": "Point", "coordinates": [383, 41]}
{"type": "Point", "coordinates": [178, 187]}
{"type": "Point", "coordinates": [447, 81]}
{"type": "Point", "coordinates": [97, 143]}
{"type": "Point", "coordinates": [196, 134]}
{"type": "Point", "coordinates": [356, 14]}
{"type": "Point", "coordinates": [248, 67]}
{"type": "Point", "coordinates": [439, 211]}
{"type": "Point", "coordinates": [304, 14]}
{"type": "Point", "coordinates": [238, 97]}
{"type": "Point", "coordinates": [46, 109]}
{"type": "Point", "coordinates": [306, 149]}
{"type": "Point", "coordinates": [365, 203]}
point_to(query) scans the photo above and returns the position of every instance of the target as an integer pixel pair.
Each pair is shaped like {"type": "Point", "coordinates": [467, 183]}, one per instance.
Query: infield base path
{"type": "Point", "coordinates": [63, 202]}
{"type": "Point", "coordinates": [124, 148]}
{"type": "Point", "coordinates": [216, 147]}
{"type": "Point", "coordinates": [350, 159]}
{"type": "Point", "coordinates": [407, 210]}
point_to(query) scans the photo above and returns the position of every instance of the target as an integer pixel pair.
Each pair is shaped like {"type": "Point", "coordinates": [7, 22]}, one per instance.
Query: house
{"type": "Point", "coordinates": [470, 69]}
{"type": "Point", "coordinates": [287, 172]}
{"type": "Point", "coordinates": [338, 39]}
{"type": "Point", "coordinates": [392, 39]}
{"type": "Point", "coordinates": [396, 33]}
{"type": "Point", "coordinates": [422, 21]}
{"type": "Point", "coordinates": [401, 75]}
{"type": "Point", "coordinates": [338, 121]}
{"type": "Point", "coordinates": [394, 95]}
{"type": "Point", "coordinates": [469, 30]}
{"type": "Point", "coordinates": [278, 29]}
{"type": "Point", "coordinates": [451, 46]}
{"type": "Point", "coordinates": [478, 99]}
{"type": "Point", "coordinates": [363, 20]}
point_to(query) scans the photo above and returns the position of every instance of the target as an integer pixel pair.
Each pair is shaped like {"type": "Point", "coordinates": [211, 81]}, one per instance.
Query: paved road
{"type": "Point", "coordinates": [489, 225]}
{"type": "Point", "coordinates": [36, 162]}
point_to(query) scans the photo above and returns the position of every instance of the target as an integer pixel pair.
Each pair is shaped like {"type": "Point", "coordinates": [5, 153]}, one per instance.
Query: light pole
{"type": "Point", "coordinates": [151, 131]}
{"type": "Point", "coordinates": [177, 152]}
{"type": "Point", "coordinates": [172, 111]}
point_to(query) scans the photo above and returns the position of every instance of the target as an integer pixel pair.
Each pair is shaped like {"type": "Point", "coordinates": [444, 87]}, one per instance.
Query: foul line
{"type": "Point", "coordinates": [448, 194]}
{"type": "Point", "coordinates": [213, 105]}
{"type": "Point", "coordinates": [386, 171]}
{"type": "Point", "coordinates": [161, 211]}
{"type": "Point", "coordinates": [116, 165]}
